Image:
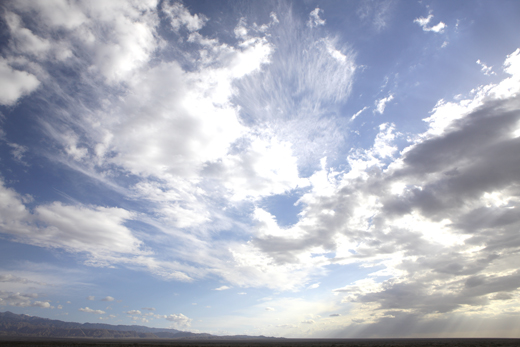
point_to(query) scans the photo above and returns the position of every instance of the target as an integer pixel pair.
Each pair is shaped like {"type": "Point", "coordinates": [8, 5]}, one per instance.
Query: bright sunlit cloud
{"type": "Point", "coordinates": [292, 169]}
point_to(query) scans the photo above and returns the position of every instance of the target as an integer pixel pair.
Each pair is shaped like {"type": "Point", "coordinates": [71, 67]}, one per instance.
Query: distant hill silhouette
{"type": "Point", "coordinates": [22, 325]}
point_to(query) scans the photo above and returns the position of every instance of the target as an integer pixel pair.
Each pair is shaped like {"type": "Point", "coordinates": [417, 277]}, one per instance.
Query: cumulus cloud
{"type": "Point", "coordinates": [18, 299]}
{"type": "Point", "coordinates": [41, 304]}
{"type": "Point", "coordinates": [91, 298]}
{"type": "Point", "coordinates": [179, 321]}
{"type": "Point", "coordinates": [95, 230]}
{"type": "Point", "coordinates": [180, 17]}
{"type": "Point", "coordinates": [89, 310]}
{"type": "Point", "coordinates": [314, 18]}
{"type": "Point", "coordinates": [222, 288]}
{"type": "Point", "coordinates": [15, 83]}
{"type": "Point", "coordinates": [187, 162]}
{"type": "Point", "coordinates": [108, 298]}
{"type": "Point", "coordinates": [424, 21]}
{"type": "Point", "coordinates": [487, 70]}
{"type": "Point", "coordinates": [133, 312]}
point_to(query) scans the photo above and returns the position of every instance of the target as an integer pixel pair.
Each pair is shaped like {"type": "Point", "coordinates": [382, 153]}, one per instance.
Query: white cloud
{"type": "Point", "coordinates": [269, 309]}
{"type": "Point", "coordinates": [89, 310]}
{"type": "Point", "coordinates": [314, 286]}
{"type": "Point", "coordinates": [18, 299]}
{"type": "Point", "coordinates": [424, 21]}
{"type": "Point", "coordinates": [133, 312]}
{"type": "Point", "coordinates": [180, 17]}
{"type": "Point", "coordinates": [222, 288]}
{"type": "Point", "coordinates": [381, 103]}
{"type": "Point", "coordinates": [487, 70]}
{"type": "Point", "coordinates": [14, 83]}
{"type": "Point", "coordinates": [107, 298]}
{"type": "Point", "coordinates": [23, 40]}
{"type": "Point", "coordinates": [358, 113]}
{"type": "Point", "coordinates": [179, 321]}
{"type": "Point", "coordinates": [314, 18]}
{"type": "Point", "coordinates": [41, 304]}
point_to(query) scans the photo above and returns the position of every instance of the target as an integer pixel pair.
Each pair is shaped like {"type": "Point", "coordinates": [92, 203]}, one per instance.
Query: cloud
{"type": "Point", "coordinates": [269, 309]}
{"type": "Point", "coordinates": [314, 18]}
{"type": "Point", "coordinates": [15, 83]}
{"type": "Point", "coordinates": [222, 288]}
{"type": "Point", "coordinates": [314, 286]}
{"type": "Point", "coordinates": [381, 103]}
{"type": "Point", "coordinates": [180, 321]}
{"type": "Point", "coordinates": [17, 299]}
{"type": "Point", "coordinates": [423, 22]}
{"type": "Point", "coordinates": [90, 297]}
{"type": "Point", "coordinates": [487, 70]}
{"type": "Point", "coordinates": [95, 230]}
{"type": "Point", "coordinates": [107, 298]}
{"type": "Point", "coordinates": [358, 113]}
{"type": "Point", "coordinates": [134, 312]}
{"type": "Point", "coordinates": [180, 17]}
{"type": "Point", "coordinates": [376, 13]}
{"type": "Point", "coordinates": [16, 279]}
{"type": "Point", "coordinates": [89, 310]}
{"type": "Point", "coordinates": [148, 308]}
{"type": "Point", "coordinates": [41, 304]}
{"type": "Point", "coordinates": [335, 315]}
{"type": "Point", "coordinates": [190, 165]}
{"type": "Point", "coordinates": [308, 321]}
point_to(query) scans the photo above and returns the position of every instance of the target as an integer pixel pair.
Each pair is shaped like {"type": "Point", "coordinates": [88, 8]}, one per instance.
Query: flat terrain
{"type": "Point", "coordinates": [5, 341]}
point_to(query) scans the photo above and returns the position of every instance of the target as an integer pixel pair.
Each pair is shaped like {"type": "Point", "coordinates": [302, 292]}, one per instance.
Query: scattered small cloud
{"type": "Point", "coordinates": [133, 312]}
{"type": "Point", "coordinates": [314, 286]}
{"type": "Point", "coordinates": [148, 308]}
{"type": "Point", "coordinates": [107, 298]}
{"type": "Point", "coordinates": [222, 288]}
{"type": "Point", "coordinates": [269, 309]}
{"type": "Point", "coordinates": [91, 298]}
{"type": "Point", "coordinates": [423, 22]}
{"type": "Point", "coordinates": [314, 18]}
{"type": "Point", "coordinates": [179, 320]}
{"type": "Point", "coordinates": [335, 315]}
{"type": "Point", "coordinates": [487, 70]}
{"type": "Point", "coordinates": [89, 310]}
{"type": "Point", "coordinates": [381, 103]}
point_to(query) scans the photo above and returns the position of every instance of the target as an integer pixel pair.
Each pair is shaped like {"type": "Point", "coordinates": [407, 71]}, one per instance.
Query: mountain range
{"type": "Point", "coordinates": [22, 325]}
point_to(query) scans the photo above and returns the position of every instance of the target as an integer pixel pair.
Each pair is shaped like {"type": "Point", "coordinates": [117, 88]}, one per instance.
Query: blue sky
{"type": "Point", "coordinates": [297, 169]}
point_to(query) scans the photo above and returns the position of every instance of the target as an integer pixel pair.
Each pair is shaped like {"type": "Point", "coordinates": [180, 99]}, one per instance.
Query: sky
{"type": "Point", "coordinates": [312, 169]}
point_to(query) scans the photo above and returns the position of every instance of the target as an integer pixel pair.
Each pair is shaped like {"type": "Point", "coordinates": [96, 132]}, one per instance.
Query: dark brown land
{"type": "Point", "coordinates": [26, 342]}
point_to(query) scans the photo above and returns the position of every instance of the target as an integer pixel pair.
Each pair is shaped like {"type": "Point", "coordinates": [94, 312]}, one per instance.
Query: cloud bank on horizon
{"type": "Point", "coordinates": [275, 168]}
